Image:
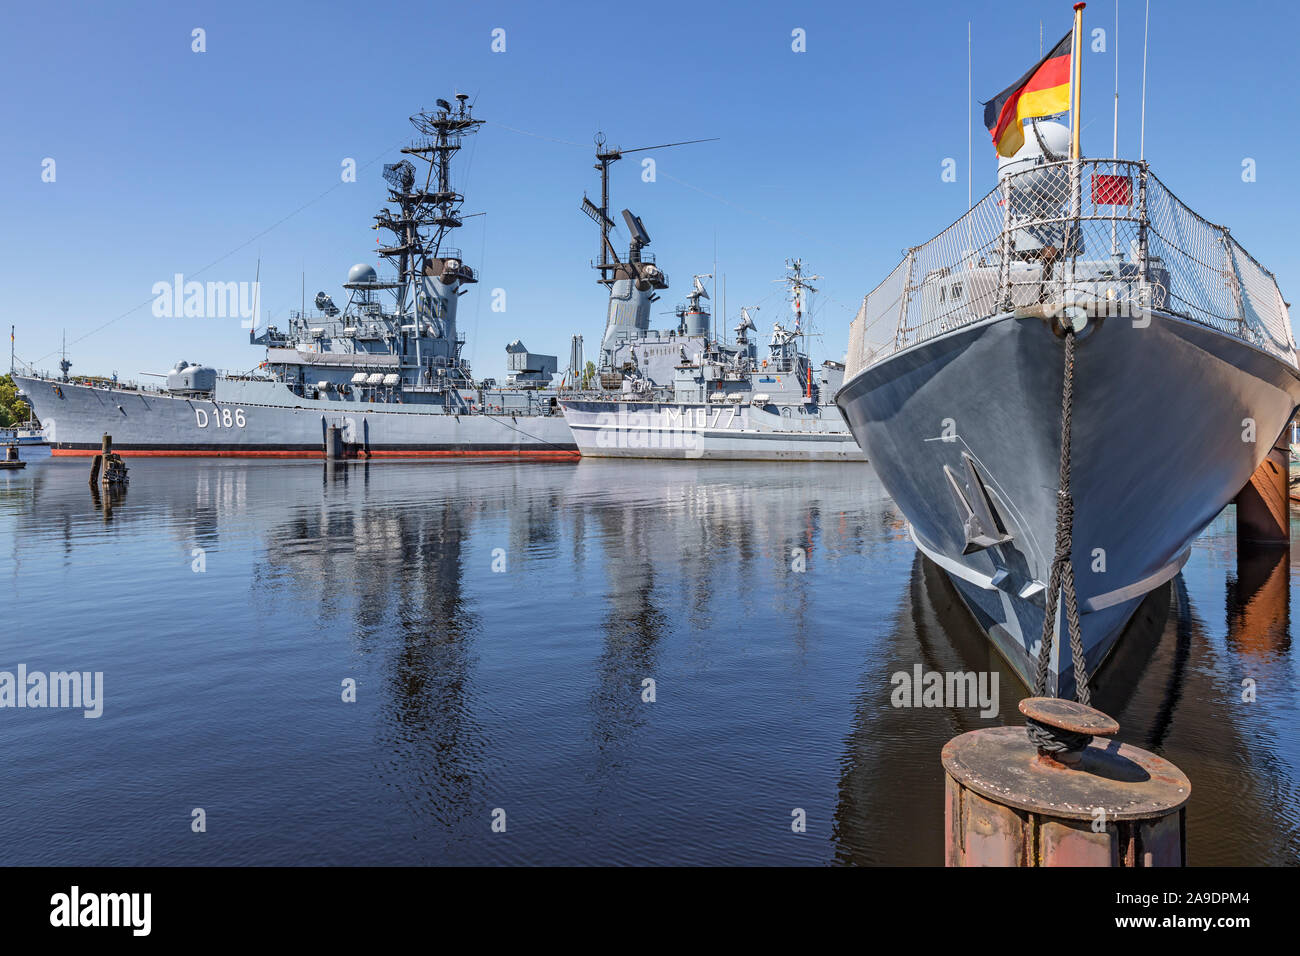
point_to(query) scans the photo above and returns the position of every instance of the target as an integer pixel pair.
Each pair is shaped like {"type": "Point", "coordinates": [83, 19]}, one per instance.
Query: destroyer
{"type": "Point", "coordinates": [386, 371]}
{"type": "Point", "coordinates": [1183, 372]}
{"type": "Point", "coordinates": [682, 393]}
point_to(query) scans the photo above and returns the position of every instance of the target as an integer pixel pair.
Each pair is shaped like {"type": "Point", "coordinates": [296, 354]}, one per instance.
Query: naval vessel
{"type": "Point", "coordinates": [683, 392]}
{"type": "Point", "coordinates": [386, 372]}
{"type": "Point", "coordinates": [1183, 373]}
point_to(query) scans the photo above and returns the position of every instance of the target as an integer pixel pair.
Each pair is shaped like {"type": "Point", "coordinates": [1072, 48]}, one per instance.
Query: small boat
{"type": "Point", "coordinates": [27, 434]}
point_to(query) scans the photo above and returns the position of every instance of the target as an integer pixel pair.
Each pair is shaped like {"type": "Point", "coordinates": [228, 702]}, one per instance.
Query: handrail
{"type": "Point", "coordinates": [1106, 235]}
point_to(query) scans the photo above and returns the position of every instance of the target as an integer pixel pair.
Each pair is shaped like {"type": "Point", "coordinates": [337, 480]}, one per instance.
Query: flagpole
{"type": "Point", "coordinates": [1076, 171]}
{"type": "Point", "coordinates": [1076, 79]}
{"type": "Point", "coordinates": [1146, 32]}
{"type": "Point", "coordinates": [1115, 140]}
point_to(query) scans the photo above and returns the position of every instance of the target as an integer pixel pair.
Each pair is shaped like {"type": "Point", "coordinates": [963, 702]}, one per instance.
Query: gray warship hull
{"type": "Point", "coordinates": [1184, 374]}
{"type": "Point", "coordinates": [260, 418]}
{"type": "Point", "coordinates": [388, 378]}
{"type": "Point", "coordinates": [1162, 442]}
{"type": "Point", "coordinates": [610, 429]}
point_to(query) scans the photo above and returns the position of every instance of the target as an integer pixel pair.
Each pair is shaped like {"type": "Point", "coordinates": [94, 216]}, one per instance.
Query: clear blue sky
{"type": "Point", "coordinates": [168, 159]}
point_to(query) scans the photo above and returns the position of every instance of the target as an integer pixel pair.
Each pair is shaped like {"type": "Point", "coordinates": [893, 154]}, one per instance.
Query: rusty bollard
{"type": "Point", "coordinates": [1078, 800]}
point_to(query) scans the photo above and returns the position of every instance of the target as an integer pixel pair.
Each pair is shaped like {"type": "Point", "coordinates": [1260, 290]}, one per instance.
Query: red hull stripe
{"type": "Point", "coordinates": [258, 453]}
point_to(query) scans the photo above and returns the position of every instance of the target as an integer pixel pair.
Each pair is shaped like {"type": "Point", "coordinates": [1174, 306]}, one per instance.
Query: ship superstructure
{"type": "Point", "coordinates": [685, 392]}
{"type": "Point", "coordinates": [386, 369]}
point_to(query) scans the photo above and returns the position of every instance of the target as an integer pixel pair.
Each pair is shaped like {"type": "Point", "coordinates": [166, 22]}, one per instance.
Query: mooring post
{"type": "Point", "coordinates": [1263, 505]}
{"type": "Point", "coordinates": [1010, 802]}
{"type": "Point", "coordinates": [100, 462]}
{"type": "Point", "coordinates": [333, 443]}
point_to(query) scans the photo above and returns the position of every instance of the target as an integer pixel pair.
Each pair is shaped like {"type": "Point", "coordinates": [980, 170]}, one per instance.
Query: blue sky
{"type": "Point", "coordinates": [168, 160]}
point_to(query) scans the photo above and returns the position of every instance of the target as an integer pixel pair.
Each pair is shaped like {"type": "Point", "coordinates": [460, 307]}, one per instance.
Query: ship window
{"type": "Point", "coordinates": [943, 292]}
{"type": "Point", "coordinates": [956, 291]}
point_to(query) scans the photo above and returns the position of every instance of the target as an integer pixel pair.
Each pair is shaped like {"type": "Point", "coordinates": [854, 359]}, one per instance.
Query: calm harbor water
{"type": "Point", "coordinates": [499, 620]}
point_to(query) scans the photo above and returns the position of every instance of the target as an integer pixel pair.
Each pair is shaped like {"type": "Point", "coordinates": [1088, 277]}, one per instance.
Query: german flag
{"type": "Point", "coordinates": [1043, 91]}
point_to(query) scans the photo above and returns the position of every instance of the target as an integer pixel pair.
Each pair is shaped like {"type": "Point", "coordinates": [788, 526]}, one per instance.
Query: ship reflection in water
{"type": "Point", "coordinates": [506, 625]}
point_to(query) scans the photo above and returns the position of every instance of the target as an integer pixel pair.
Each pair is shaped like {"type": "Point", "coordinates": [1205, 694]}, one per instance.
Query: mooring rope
{"type": "Point", "coordinates": [1062, 581]}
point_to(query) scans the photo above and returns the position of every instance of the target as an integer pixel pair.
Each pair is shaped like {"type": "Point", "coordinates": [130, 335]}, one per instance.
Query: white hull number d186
{"type": "Point", "coordinates": [220, 417]}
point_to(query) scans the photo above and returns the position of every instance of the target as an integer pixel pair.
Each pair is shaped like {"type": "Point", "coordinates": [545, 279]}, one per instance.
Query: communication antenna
{"type": "Point", "coordinates": [605, 157]}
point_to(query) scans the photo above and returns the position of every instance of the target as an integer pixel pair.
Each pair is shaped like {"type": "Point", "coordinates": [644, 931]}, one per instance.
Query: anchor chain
{"type": "Point", "coordinates": [1062, 580]}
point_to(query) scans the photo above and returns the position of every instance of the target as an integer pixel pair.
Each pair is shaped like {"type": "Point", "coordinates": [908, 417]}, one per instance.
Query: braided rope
{"type": "Point", "coordinates": [1062, 576]}
{"type": "Point", "coordinates": [1054, 740]}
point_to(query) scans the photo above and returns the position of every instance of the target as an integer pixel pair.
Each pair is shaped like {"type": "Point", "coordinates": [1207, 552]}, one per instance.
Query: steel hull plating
{"type": "Point", "coordinates": [1170, 420]}
{"type": "Point", "coordinates": [241, 422]}
{"type": "Point", "coordinates": [712, 431]}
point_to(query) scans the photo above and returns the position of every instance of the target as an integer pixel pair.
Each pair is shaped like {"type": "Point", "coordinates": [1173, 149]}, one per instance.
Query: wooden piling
{"type": "Point", "coordinates": [108, 467]}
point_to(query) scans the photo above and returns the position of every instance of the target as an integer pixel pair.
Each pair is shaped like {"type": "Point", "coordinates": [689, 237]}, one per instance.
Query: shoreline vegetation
{"type": "Point", "coordinates": [13, 410]}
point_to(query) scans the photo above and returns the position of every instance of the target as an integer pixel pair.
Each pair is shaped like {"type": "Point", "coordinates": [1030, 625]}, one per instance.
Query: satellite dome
{"type": "Point", "coordinates": [362, 272]}
{"type": "Point", "coordinates": [1055, 136]}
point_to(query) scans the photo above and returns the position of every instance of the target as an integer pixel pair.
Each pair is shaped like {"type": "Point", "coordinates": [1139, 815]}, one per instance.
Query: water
{"type": "Point", "coordinates": [521, 689]}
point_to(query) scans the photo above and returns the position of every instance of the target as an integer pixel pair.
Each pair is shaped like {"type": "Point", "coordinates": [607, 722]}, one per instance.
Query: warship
{"type": "Point", "coordinates": [1071, 381]}
{"type": "Point", "coordinates": [684, 393]}
{"type": "Point", "coordinates": [384, 375]}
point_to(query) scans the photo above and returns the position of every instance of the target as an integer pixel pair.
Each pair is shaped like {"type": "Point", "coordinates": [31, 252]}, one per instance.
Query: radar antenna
{"type": "Point", "coordinates": [434, 204]}
{"type": "Point", "coordinates": [605, 157]}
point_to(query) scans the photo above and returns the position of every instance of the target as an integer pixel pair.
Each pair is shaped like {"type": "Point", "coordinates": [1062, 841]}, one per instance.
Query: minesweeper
{"type": "Point", "coordinates": [683, 393]}
{"type": "Point", "coordinates": [1079, 301]}
{"type": "Point", "coordinates": [386, 372]}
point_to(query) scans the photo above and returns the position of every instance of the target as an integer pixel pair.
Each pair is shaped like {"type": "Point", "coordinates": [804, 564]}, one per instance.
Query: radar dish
{"type": "Point", "coordinates": [400, 175]}
{"type": "Point", "coordinates": [637, 228]}
{"type": "Point", "coordinates": [362, 272]}
{"type": "Point", "coordinates": [326, 304]}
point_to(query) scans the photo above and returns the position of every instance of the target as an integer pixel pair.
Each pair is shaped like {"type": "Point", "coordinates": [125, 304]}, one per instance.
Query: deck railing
{"type": "Point", "coordinates": [1105, 236]}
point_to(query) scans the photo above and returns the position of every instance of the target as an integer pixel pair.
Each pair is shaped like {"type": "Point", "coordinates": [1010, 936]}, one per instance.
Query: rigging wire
{"type": "Point", "coordinates": [222, 258]}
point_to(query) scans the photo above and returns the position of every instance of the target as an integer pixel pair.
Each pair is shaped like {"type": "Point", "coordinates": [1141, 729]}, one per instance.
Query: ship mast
{"type": "Point", "coordinates": [435, 204]}
{"type": "Point", "coordinates": [605, 157]}
{"type": "Point", "coordinates": [798, 284]}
